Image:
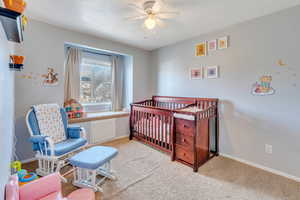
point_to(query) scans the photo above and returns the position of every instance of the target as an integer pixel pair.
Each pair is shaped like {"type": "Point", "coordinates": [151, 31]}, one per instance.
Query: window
{"type": "Point", "coordinates": [96, 82]}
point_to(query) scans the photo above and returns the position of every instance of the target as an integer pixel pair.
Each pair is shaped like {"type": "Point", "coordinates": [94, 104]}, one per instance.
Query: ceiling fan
{"type": "Point", "coordinates": [151, 13]}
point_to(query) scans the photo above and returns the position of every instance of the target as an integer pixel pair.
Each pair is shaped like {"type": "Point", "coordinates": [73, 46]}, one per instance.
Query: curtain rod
{"type": "Point", "coordinates": [89, 51]}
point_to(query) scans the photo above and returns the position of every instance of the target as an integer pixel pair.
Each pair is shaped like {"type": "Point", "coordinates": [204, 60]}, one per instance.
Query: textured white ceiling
{"type": "Point", "coordinates": [106, 18]}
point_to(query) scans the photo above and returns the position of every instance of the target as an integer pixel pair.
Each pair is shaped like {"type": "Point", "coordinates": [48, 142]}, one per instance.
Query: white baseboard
{"type": "Point", "coordinates": [121, 137]}
{"type": "Point", "coordinates": [268, 169]}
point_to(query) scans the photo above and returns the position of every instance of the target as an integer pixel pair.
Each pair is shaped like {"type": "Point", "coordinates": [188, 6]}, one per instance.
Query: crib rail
{"type": "Point", "coordinates": [210, 112]}
{"type": "Point", "coordinates": [165, 103]}
{"type": "Point", "coordinates": [153, 126]}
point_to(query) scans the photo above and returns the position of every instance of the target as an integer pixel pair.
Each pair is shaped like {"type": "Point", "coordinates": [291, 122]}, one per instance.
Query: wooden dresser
{"type": "Point", "coordinates": [191, 142]}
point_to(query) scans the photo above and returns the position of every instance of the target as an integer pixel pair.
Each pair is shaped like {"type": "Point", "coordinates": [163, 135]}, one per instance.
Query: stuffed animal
{"type": "Point", "coordinates": [73, 108]}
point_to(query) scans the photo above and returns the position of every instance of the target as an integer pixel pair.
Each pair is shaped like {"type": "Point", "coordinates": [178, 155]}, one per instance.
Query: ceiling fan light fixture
{"type": "Point", "coordinates": [150, 23]}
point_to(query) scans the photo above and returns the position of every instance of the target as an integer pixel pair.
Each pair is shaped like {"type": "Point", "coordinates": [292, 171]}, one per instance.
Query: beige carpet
{"type": "Point", "coordinates": [147, 174]}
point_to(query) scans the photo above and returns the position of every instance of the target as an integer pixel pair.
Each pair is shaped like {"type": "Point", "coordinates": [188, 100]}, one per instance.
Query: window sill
{"type": "Point", "coordinates": [99, 116]}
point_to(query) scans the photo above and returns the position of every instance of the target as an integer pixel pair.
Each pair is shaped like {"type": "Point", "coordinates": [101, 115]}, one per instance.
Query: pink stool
{"type": "Point", "coordinates": [45, 188]}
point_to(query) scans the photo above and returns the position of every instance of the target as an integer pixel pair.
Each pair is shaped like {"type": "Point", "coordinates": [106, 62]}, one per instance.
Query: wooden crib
{"type": "Point", "coordinates": [186, 128]}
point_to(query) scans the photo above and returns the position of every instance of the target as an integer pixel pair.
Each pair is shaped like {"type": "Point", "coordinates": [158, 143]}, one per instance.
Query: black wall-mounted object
{"type": "Point", "coordinates": [12, 24]}
{"type": "Point", "coordinates": [15, 67]}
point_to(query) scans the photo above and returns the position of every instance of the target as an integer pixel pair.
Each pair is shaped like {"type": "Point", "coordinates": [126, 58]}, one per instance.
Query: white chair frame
{"type": "Point", "coordinates": [48, 164]}
{"type": "Point", "coordinates": [86, 178]}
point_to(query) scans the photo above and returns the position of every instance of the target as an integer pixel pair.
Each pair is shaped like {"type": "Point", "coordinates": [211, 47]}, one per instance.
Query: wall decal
{"type": "Point", "coordinates": [212, 45]}
{"type": "Point", "coordinates": [281, 63]}
{"type": "Point", "coordinates": [264, 87]}
{"type": "Point", "coordinates": [29, 76]}
{"type": "Point", "coordinates": [223, 42]}
{"type": "Point", "coordinates": [51, 78]}
{"type": "Point", "coordinates": [196, 73]}
{"type": "Point", "coordinates": [289, 71]}
{"type": "Point", "coordinates": [201, 49]}
{"type": "Point", "coordinates": [212, 72]}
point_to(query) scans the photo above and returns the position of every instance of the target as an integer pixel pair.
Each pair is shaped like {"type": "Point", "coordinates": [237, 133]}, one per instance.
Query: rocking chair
{"type": "Point", "coordinates": [53, 156]}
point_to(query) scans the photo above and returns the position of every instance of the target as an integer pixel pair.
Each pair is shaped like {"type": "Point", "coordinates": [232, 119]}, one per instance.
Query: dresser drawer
{"type": "Point", "coordinates": [185, 141]}
{"type": "Point", "coordinates": [185, 127]}
{"type": "Point", "coordinates": [184, 154]}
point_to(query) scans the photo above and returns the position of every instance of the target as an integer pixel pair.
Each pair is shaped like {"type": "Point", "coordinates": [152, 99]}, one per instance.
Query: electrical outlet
{"type": "Point", "coordinates": [268, 148]}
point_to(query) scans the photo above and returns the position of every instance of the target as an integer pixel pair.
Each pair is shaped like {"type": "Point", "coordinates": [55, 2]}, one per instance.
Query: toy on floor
{"type": "Point", "coordinates": [73, 109]}
{"type": "Point", "coordinates": [23, 175]}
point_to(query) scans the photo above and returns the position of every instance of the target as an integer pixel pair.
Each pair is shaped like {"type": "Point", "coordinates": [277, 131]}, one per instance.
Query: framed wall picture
{"type": "Point", "coordinates": [196, 73]}
{"type": "Point", "coordinates": [223, 42]}
{"type": "Point", "coordinates": [212, 72]}
{"type": "Point", "coordinates": [201, 49]}
{"type": "Point", "coordinates": [212, 45]}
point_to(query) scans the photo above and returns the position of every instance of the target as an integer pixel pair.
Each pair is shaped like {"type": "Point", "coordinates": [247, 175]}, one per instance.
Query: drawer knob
{"type": "Point", "coordinates": [183, 140]}
{"type": "Point", "coordinates": [185, 126]}
{"type": "Point", "coordinates": [184, 154]}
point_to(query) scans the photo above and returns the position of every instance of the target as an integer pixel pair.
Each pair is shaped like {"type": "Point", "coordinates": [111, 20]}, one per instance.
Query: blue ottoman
{"type": "Point", "coordinates": [92, 162]}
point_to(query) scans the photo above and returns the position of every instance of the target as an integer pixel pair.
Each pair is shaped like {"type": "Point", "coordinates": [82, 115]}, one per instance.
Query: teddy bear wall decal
{"type": "Point", "coordinates": [263, 87]}
{"type": "Point", "coordinates": [51, 78]}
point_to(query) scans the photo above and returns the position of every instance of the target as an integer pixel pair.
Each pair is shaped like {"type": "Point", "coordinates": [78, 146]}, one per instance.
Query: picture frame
{"type": "Point", "coordinates": [212, 72]}
{"type": "Point", "coordinates": [196, 73]}
{"type": "Point", "coordinates": [212, 45]}
{"type": "Point", "coordinates": [223, 42]}
{"type": "Point", "coordinates": [201, 49]}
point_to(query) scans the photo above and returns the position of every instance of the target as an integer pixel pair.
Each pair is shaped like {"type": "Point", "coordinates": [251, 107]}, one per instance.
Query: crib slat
{"type": "Point", "coordinates": [157, 129]}
{"type": "Point", "coordinates": [139, 123]}
{"type": "Point", "coordinates": [164, 131]}
{"type": "Point", "coordinates": [149, 126]}
{"type": "Point", "coordinates": [152, 127]}
{"type": "Point", "coordinates": [144, 125]}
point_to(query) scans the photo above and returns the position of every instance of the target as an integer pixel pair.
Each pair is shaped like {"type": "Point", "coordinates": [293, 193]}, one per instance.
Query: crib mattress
{"type": "Point", "coordinates": [193, 109]}
{"type": "Point", "coordinates": [184, 116]}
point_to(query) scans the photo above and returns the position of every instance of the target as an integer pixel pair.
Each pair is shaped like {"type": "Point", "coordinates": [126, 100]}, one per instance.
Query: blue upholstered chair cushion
{"type": "Point", "coordinates": [73, 131]}
{"type": "Point", "coordinates": [38, 141]}
{"type": "Point", "coordinates": [59, 148]}
{"type": "Point", "coordinates": [68, 145]}
{"type": "Point", "coordinates": [93, 157]}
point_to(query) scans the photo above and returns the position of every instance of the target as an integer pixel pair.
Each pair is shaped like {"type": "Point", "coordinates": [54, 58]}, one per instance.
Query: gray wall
{"type": "Point", "coordinates": [247, 122]}
{"type": "Point", "coordinates": [43, 48]}
{"type": "Point", "coordinates": [6, 110]}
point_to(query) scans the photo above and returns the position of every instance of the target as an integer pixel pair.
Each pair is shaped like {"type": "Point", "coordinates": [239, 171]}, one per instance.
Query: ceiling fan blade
{"type": "Point", "coordinates": [137, 8]}
{"type": "Point", "coordinates": [168, 13]}
{"type": "Point", "coordinates": [157, 6]}
{"type": "Point", "coordinates": [136, 17]}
